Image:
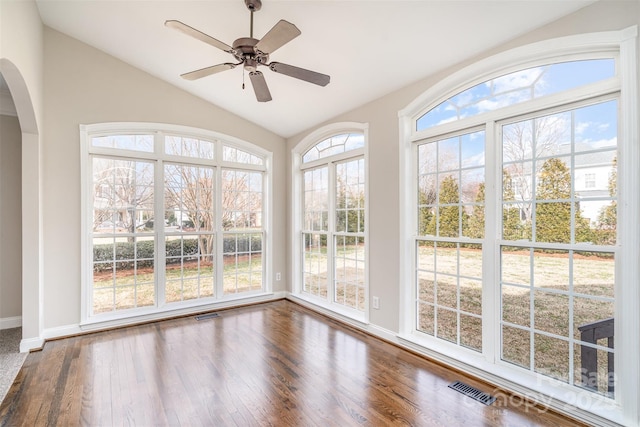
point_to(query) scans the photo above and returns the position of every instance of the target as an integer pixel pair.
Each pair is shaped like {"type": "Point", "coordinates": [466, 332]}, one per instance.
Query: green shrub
{"type": "Point", "coordinates": [124, 253]}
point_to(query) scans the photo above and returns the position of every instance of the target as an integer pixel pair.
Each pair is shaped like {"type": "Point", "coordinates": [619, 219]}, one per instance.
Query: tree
{"type": "Point", "coordinates": [608, 216]}
{"type": "Point", "coordinates": [426, 200]}
{"type": "Point", "coordinates": [122, 195]}
{"type": "Point", "coordinates": [475, 225]}
{"type": "Point", "coordinates": [449, 217]}
{"type": "Point", "coordinates": [519, 141]}
{"type": "Point", "coordinates": [189, 191]}
{"type": "Point", "coordinates": [349, 206]}
{"type": "Point", "coordinates": [553, 218]}
{"type": "Point", "coordinates": [513, 227]}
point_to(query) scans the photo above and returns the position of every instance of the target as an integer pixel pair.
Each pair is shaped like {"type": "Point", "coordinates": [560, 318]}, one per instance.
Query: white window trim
{"type": "Point", "coordinates": [160, 309]}
{"type": "Point", "coordinates": [296, 211]}
{"type": "Point", "coordinates": [565, 398]}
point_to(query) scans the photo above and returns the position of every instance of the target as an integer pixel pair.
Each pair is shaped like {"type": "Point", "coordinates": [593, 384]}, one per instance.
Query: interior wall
{"type": "Point", "coordinates": [384, 173]}
{"type": "Point", "coordinates": [82, 86]}
{"type": "Point", "coordinates": [10, 221]}
{"type": "Point", "coordinates": [21, 66]}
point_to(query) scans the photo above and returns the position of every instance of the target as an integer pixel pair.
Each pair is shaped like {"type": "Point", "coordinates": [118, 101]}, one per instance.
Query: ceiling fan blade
{"type": "Point", "coordinates": [190, 31]}
{"type": "Point", "coordinates": [260, 86]}
{"type": "Point", "coordinates": [207, 71]}
{"type": "Point", "coordinates": [279, 35]}
{"type": "Point", "coordinates": [300, 73]}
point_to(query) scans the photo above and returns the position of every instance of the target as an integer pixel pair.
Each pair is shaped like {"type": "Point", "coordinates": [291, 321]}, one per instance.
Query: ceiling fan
{"type": "Point", "coordinates": [251, 53]}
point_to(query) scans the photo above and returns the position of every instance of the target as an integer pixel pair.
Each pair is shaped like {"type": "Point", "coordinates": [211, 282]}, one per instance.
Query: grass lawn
{"type": "Point", "coordinates": [128, 288]}
{"type": "Point", "coordinates": [536, 298]}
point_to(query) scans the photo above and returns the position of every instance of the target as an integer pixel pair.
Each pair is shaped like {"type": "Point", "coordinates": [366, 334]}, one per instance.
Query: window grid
{"type": "Point", "coordinates": [122, 241]}
{"type": "Point", "coordinates": [336, 144]}
{"type": "Point", "coordinates": [450, 223]}
{"type": "Point", "coordinates": [140, 263]}
{"type": "Point", "coordinates": [349, 259]}
{"type": "Point", "coordinates": [242, 195]}
{"type": "Point", "coordinates": [562, 309]}
{"type": "Point", "coordinates": [333, 222]}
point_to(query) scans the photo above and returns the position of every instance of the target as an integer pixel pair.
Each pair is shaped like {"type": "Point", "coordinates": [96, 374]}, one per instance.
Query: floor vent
{"type": "Point", "coordinates": [207, 316]}
{"type": "Point", "coordinates": [473, 392]}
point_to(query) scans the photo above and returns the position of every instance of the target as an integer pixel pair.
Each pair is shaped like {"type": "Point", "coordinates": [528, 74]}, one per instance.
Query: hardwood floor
{"type": "Point", "coordinates": [275, 364]}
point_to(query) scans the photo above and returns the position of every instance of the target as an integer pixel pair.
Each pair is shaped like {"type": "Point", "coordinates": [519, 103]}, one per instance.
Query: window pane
{"type": "Point", "coordinates": [316, 199]}
{"type": "Point", "coordinates": [334, 145]}
{"type": "Point", "coordinates": [594, 273]}
{"type": "Point", "coordinates": [232, 154]}
{"type": "Point", "coordinates": [123, 244]}
{"type": "Point", "coordinates": [242, 253]}
{"type": "Point", "coordinates": [242, 197]}
{"type": "Point", "coordinates": [449, 276]}
{"type": "Point", "coordinates": [594, 369]}
{"type": "Point", "coordinates": [516, 343]}
{"type": "Point", "coordinates": [350, 196]}
{"type": "Point", "coordinates": [447, 326]}
{"type": "Point", "coordinates": [120, 188]}
{"type": "Point", "coordinates": [349, 264]}
{"type": "Point", "coordinates": [551, 357]}
{"type": "Point", "coordinates": [189, 198]}
{"type": "Point", "coordinates": [471, 332]}
{"type": "Point", "coordinates": [189, 268]}
{"type": "Point", "coordinates": [518, 87]}
{"type": "Point", "coordinates": [551, 269]}
{"type": "Point", "coordinates": [188, 147]}
{"type": "Point", "coordinates": [564, 197]}
{"type": "Point", "coordinates": [516, 305]}
{"type": "Point", "coordinates": [315, 264]}
{"type": "Point", "coordinates": [125, 142]}
{"type": "Point", "coordinates": [123, 273]}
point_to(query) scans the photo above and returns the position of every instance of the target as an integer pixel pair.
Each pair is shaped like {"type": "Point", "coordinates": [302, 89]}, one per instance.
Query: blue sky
{"type": "Point", "coordinates": [518, 87]}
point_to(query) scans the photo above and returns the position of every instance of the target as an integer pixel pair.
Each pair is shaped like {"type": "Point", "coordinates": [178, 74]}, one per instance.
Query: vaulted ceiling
{"type": "Point", "coordinates": [369, 48]}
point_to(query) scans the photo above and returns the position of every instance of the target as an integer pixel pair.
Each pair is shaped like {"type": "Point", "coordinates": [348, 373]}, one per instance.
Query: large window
{"type": "Point", "coordinates": [332, 232]}
{"type": "Point", "coordinates": [451, 213]}
{"type": "Point", "coordinates": [171, 219]}
{"type": "Point", "coordinates": [521, 249]}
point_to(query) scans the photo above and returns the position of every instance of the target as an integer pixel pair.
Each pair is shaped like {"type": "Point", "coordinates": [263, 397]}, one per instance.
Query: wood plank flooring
{"type": "Point", "coordinates": [273, 364]}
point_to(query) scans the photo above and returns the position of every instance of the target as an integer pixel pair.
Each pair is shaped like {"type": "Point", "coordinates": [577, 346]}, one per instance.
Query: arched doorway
{"type": "Point", "coordinates": [31, 218]}
{"type": "Point", "coordinates": [10, 214]}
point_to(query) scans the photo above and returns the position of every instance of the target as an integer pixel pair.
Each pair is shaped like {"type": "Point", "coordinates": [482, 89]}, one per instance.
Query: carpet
{"type": "Point", "coordinates": [11, 359]}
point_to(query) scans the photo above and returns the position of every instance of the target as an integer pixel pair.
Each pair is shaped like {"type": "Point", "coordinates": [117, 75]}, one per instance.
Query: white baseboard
{"type": "Point", "coordinates": [31, 344]}
{"type": "Point", "coordinates": [10, 322]}
{"type": "Point", "coordinates": [490, 378]}
{"type": "Point", "coordinates": [79, 329]}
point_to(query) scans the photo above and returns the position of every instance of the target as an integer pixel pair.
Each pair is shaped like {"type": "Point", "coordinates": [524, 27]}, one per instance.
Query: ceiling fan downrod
{"type": "Point", "coordinates": [253, 6]}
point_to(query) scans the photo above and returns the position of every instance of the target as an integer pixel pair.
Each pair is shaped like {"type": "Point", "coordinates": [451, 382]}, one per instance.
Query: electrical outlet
{"type": "Point", "coordinates": [376, 303]}
{"type": "Point", "coordinates": [278, 277]}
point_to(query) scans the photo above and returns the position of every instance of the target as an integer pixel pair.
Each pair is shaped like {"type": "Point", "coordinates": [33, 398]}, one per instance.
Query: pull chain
{"type": "Point", "coordinates": [242, 79]}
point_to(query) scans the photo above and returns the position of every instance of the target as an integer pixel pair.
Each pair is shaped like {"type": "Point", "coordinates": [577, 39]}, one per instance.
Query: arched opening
{"type": "Point", "coordinates": [10, 213]}
{"type": "Point", "coordinates": [27, 156]}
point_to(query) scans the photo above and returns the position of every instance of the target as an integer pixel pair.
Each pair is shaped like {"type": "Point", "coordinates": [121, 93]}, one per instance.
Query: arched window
{"type": "Point", "coordinates": [330, 259]}
{"type": "Point", "coordinates": [174, 217]}
{"type": "Point", "coordinates": [518, 255]}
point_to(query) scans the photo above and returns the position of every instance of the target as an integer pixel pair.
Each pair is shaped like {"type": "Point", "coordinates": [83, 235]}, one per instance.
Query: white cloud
{"type": "Point", "coordinates": [517, 80]}
{"type": "Point", "coordinates": [582, 127]}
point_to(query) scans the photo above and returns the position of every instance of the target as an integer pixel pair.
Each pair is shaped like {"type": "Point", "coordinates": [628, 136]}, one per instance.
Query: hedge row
{"type": "Point", "coordinates": [142, 252]}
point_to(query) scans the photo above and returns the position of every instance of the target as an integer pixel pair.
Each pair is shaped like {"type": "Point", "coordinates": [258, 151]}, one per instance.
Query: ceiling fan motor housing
{"type": "Point", "coordinates": [244, 52]}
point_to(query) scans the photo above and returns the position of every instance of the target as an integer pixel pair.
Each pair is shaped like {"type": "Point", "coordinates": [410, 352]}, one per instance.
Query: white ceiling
{"type": "Point", "coordinates": [369, 48]}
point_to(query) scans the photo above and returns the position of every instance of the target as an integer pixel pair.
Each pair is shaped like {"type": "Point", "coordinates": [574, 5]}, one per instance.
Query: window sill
{"type": "Point", "coordinates": [136, 316]}
{"type": "Point", "coordinates": [539, 389]}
